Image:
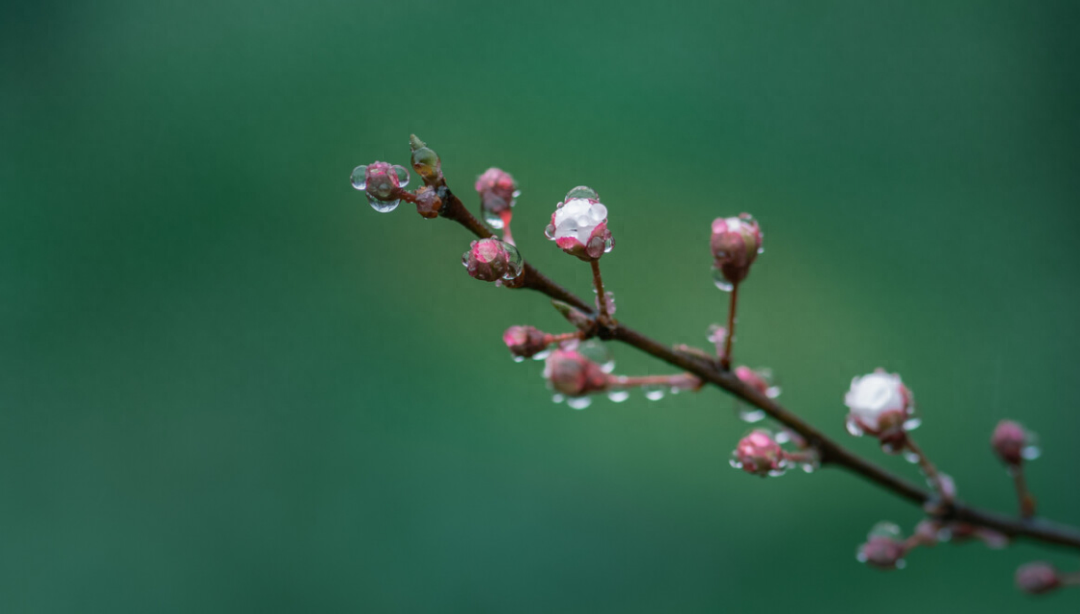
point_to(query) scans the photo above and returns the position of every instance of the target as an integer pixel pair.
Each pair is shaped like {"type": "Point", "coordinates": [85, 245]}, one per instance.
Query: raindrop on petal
{"type": "Point", "coordinates": [382, 206]}
{"type": "Point", "coordinates": [359, 177]}
{"type": "Point", "coordinates": [402, 175]}
{"type": "Point", "coordinates": [582, 192]}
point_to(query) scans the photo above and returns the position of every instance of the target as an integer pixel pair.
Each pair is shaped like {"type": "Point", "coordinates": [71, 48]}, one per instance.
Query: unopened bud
{"type": "Point", "coordinates": [1037, 578]}
{"type": "Point", "coordinates": [498, 192]}
{"type": "Point", "coordinates": [735, 243]}
{"type": "Point", "coordinates": [492, 260]}
{"type": "Point", "coordinates": [425, 161]}
{"type": "Point", "coordinates": [382, 182]}
{"type": "Point", "coordinates": [572, 374]}
{"type": "Point", "coordinates": [428, 202]}
{"type": "Point", "coordinates": [525, 341]}
{"type": "Point", "coordinates": [884, 547]}
{"type": "Point", "coordinates": [1009, 441]}
{"type": "Point", "coordinates": [759, 454]}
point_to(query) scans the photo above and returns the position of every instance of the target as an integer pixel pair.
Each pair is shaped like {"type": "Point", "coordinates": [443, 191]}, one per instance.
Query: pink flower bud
{"type": "Point", "coordinates": [525, 341]}
{"type": "Point", "coordinates": [883, 552]}
{"type": "Point", "coordinates": [758, 380]}
{"type": "Point", "coordinates": [1009, 440]}
{"type": "Point", "coordinates": [492, 260]}
{"type": "Point", "coordinates": [736, 243]}
{"type": "Point", "coordinates": [759, 454]}
{"type": "Point", "coordinates": [382, 182]}
{"type": "Point", "coordinates": [579, 225]}
{"type": "Point", "coordinates": [428, 203]}
{"type": "Point", "coordinates": [573, 375]}
{"type": "Point", "coordinates": [497, 193]}
{"type": "Point", "coordinates": [882, 406]}
{"type": "Point", "coordinates": [1037, 578]}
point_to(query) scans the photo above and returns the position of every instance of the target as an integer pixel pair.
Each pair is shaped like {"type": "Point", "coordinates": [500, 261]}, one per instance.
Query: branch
{"type": "Point", "coordinates": [831, 452]}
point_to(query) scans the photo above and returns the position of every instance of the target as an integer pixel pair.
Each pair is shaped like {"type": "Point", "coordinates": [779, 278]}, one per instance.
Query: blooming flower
{"type": "Point", "coordinates": [880, 405]}
{"type": "Point", "coordinates": [579, 225]}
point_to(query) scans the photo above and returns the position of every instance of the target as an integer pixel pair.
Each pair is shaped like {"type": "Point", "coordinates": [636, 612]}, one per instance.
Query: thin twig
{"type": "Point", "coordinates": [831, 452]}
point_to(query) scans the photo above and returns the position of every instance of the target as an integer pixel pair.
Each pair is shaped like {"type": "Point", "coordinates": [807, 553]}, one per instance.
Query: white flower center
{"type": "Point", "coordinates": [872, 395]}
{"type": "Point", "coordinates": [578, 218]}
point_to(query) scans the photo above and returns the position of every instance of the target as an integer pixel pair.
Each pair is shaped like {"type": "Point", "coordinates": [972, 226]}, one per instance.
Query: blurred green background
{"type": "Point", "coordinates": [228, 385]}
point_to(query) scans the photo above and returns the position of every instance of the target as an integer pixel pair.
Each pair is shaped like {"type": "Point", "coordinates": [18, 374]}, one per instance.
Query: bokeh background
{"type": "Point", "coordinates": [228, 385]}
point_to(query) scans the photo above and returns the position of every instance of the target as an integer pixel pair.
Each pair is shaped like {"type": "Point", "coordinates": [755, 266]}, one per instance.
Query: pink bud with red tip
{"type": "Point", "coordinates": [759, 454]}
{"type": "Point", "coordinates": [382, 182]}
{"type": "Point", "coordinates": [525, 341]}
{"type": "Point", "coordinates": [1037, 578]}
{"type": "Point", "coordinates": [579, 225]}
{"type": "Point", "coordinates": [428, 202]}
{"type": "Point", "coordinates": [735, 243]}
{"type": "Point", "coordinates": [572, 374]}
{"type": "Point", "coordinates": [492, 260]}
{"type": "Point", "coordinates": [498, 192]}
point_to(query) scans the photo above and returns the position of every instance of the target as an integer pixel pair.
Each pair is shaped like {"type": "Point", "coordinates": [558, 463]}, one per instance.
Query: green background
{"type": "Point", "coordinates": [228, 385]}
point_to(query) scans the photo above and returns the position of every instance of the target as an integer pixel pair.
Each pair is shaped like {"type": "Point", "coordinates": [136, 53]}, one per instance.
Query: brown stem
{"type": "Point", "coordinates": [725, 360]}
{"type": "Point", "coordinates": [623, 381]}
{"type": "Point", "coordinates": [831, 452]}
{"type": "Point", "coordinates": [550, 339]}
{"type": "Point", "coordinates": [601, 300]}
{"type": "Point", "coordinates": [929, 470]}
{"type": "Point", "coordinates": [1023, 495]}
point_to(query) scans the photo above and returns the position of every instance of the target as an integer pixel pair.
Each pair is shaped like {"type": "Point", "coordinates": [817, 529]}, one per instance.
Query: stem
{"type": "Point", "coordinates": [725, 360]}
{"type": "Point", "coordinates": [831, 452]}
{"type": "Point", "coordinates": [604, 318]}
{"type": "Point", "coordinates": [623, 381]}
{"type": "Point", "coordinates": [1023, 495]}
{"type": "Point", "coordinates": [1069, 579]}
{"type": "Point", "coordinates": [550, 339]}
{"type": "Point", "coordinates": [929, 470]}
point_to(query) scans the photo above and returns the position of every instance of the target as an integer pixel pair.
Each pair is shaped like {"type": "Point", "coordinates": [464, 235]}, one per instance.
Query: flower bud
{"type": "Point", "coordinates": [572, 374]}
{"type": "Point", "coordinates": [525, 341]}
{"type": "Point", "coordinates": [579, 225]}
{"type": "Point", "coordinates": [759, 454]}
{"type": "Point", "coordinates": [758, 380]}
{"type": "Point", "coordinates": [497, 193]}
{"type": "Point", "coordinates": [425, 161]}
{"type": "Point", "coordinates": [882, 406]}
{"type": "Point", "coordinates": [428, 202]}
{"type": "Point", "coordinates": [735, 243]}
{"type": "Point", "coordinates": [1009, 440]}
{"type": "Point", "coordinates": [1037, 578]}
{"type": "Point", "coordinates": [884, 547]}
{"type": "Point", "coordinates": [492, 260]}
{"type": "Point", "coordinates": [382, 182]}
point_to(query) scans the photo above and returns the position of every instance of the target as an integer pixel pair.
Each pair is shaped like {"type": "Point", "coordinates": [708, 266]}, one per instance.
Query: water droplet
{"type": "Point", "coordinates": [382, 206]}
{"type": "Point", "coordinates": [557, 398]}
{"type": "Point", "coordinates": [599, 353]}
{"type": "Point", "coordinates": [749, 414]}
{"type": "Point", "coordinates": [582, 192]}
{"type": "Point", "coordinates": [775, 473]}
{"type": "Point", "coordinates": [809, 467]}
{"type": "Point", "coordinates": [912, 423]}
{"type": "Point", "coordinates": [911, 457]}
{"type": "Point", "coordinates": [609, 245]}
{"type": "Point", "coordinates": [783, 437]}
{"type": "Point", "coordinates": [653, 393]}
{"type": "Point", "coordinates": [901, 563]}
{"type": "Point", "coordinates": [609, 300]}
{"type": "Point", "coordinates": [518, 358]}
{"type": "Point", "coordinates": [402, 175]}
{"type": "Point", "coordinates": [549, 232]}
{"type": "Point", "coordinates": [618, 396]}
{"type": "Point", "coordinates": [1031, 452]}
{"type": "Point", "coordinates": [860, 556]}
{"type": "Point", "coordinates": [886, 529]}
{"type": "Point", "coordinates": [853, 427]}
{"type": "Point", "coordinates": [542, 354]}
{"type": "Point", "coordinates": [359, 177]}
{"type": "Point", "coordinates": [514, 262]}
{"type": "Point", "coordinates": [492, 219]}
{"type": "Point", "coordinates": [579, 403]}
{"type": "Point", "coordinates": [735, 463]}
{"type": "Point", "coordinates": [721, 281]}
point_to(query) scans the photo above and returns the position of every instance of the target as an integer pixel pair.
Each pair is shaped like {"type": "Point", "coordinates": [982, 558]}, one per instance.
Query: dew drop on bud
{"type": "Point", "coordinates": [749, 414]}
{"type": "Point", "coordinates": [582, 192]}
{"type": "Point", "coordinates": [382, 206]}
{"type": "Point", "coordinates": [618, 396]}
{"type": "Point", "coordinates": [721, 281]}
{"type": "Point", "coordinates": [402, 175]}
{"type": "Point", "coordinates": [911, 457]}
{"type": "Point", "coordinates": [579, 403]}
{"type": "Point", "coordinates": [598, 352]}
{"type": "Point", "coordinates": [653, 393]}
{"type": "Point", "coordinates": [853, 427]}
{"type": "Point", "coordinates": [359, 177]}
{"type": "Point", "coordinates": [549, 232]}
